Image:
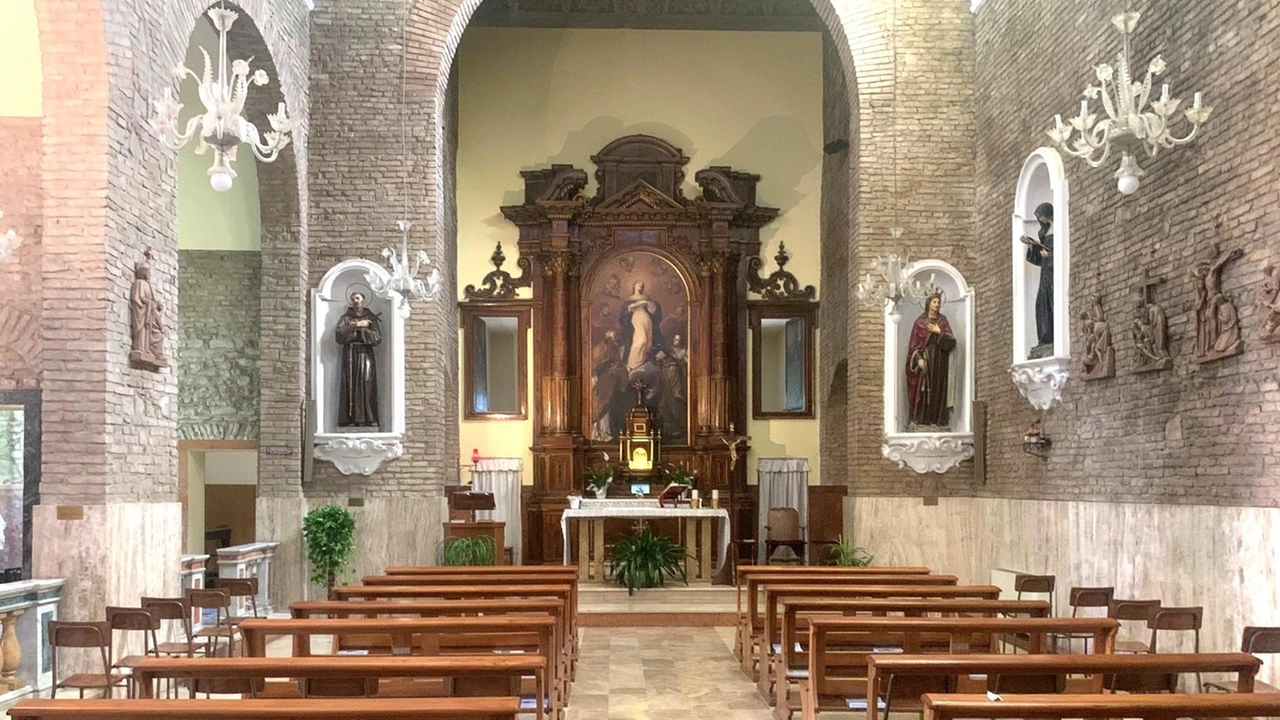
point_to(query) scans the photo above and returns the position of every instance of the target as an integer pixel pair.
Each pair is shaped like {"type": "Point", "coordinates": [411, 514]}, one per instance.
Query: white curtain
{"type": "Point", "coordinates": [502, 477]}
{"type": "Point", "coordinates": [784, 482]}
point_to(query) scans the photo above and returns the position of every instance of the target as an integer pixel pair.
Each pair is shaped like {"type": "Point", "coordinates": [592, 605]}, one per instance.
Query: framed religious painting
{"type": "Point", "coordinates": [636, 326]}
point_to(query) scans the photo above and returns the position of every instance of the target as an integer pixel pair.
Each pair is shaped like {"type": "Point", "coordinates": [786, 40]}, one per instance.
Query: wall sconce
{"type": "Point", "coordinates": [1035, 442]}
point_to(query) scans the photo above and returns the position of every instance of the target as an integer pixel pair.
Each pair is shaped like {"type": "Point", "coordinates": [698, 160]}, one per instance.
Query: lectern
{"type": "Point", "coordinates": [462, 523]}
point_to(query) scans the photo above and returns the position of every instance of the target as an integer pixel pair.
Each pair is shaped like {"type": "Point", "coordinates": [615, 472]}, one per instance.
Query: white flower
{"type": "Point", "coordinates": [240, 67]}
{"type": "Point", "coordinates": [260, 77]}
{"type": "Point", "coordinates": [1157, 66]}
{"type": "Point", "coordinates": [1104, 72]}
{"type": "Point", "coordinates": [178, 72]}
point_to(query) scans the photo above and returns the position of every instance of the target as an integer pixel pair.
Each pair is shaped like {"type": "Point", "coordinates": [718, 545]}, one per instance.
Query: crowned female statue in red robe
{"type": "Point", "coordinates": [929, 367]}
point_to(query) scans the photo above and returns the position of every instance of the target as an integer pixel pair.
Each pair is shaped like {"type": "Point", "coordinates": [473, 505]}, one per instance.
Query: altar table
{"type": "Point", "coordinates": [591, 516]}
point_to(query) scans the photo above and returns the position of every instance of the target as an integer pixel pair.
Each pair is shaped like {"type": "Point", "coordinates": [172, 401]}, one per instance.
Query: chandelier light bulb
{"type": "Point", "coordinates": [1128, 184]}
{"type": "Point", "coordinates": [220, 181]}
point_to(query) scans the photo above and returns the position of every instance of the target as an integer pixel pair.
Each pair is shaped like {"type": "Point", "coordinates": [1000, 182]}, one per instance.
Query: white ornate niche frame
{"type": "Point", "coordinates": [930, 451]}
{"type": "Point", "coordinates": [1041, 380]}
{"type": "Point", "coordinates": [356, 451]}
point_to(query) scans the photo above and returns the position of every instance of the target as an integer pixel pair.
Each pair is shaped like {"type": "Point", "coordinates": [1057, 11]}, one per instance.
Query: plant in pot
{"type": "Point", "coordinates": [329, 534]}
{"type": "Point", "coordinates": [845, 554]}
{"type": "Point", "coordinates": [645, 560]}
{"type": "Point", "coordinates": [598, 481]}
{"type": "Point", "coordinates": [676, 475]}
{"type": "Point", "coordinates": [474, 550]}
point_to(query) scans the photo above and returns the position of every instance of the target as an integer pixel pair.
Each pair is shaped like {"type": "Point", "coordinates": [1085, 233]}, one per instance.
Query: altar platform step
{"type": "Point", "coordinates": [671, 606]}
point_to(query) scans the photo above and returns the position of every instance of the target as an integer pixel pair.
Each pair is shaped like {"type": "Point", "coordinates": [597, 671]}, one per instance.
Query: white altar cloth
{"type": "Point", "coordinates": [644, 510]}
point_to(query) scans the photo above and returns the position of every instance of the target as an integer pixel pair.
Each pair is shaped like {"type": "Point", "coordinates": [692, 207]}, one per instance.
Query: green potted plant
{"type": "Point", "coordinates": [677, 476]}
{"type": "Point", "coordinates": [845, 554]}
{"type": "Point", "coordinates": [645, 560]}
{"type": "Point", "coordinates": [329, 534]}
{"type": "Point", "coordinates": [473, 550]}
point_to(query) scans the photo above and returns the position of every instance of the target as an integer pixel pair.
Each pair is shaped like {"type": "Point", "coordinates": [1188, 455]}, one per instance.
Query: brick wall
{"type": "Point", "coordinates": [20, 200]}
{"type": "Point", "coordinates": [218, 353]}
{"type": "Point", "coordinates": [1194, 433]}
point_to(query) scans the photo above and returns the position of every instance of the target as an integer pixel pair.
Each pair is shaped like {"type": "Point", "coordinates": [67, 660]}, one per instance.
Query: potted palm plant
{"type": "Point", "coordinates": [329, 534]}
{"type": "Point", "coordinates": [645, 560]}
{"type": "Point", "coordinates": [844, 553]}
{"type": "Point", "coordinates": [598, 481]}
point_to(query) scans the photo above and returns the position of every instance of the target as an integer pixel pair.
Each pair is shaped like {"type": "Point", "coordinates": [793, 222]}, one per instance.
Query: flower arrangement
{"type": "Point", "coordinates": [676, 475]}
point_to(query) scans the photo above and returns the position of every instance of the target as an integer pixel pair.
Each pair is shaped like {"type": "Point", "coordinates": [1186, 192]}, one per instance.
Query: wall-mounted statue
{"type": "Point", "coordinates": [929, 368]}
{"type": "Point", "coordinates": [358, 333]}
{"type": "Point", "coordinates": [1099, 355]}
{"type": "Point", "coordinates": [1040, 254]}
{"type": "Point", "coordinates": [1269, 303]}
{"type": "Point", "coordinates": [1217, 321]}
{"type": "Point", "coordinates": [145, 326]}
{"type": "Point", "coordinates": [1151, 332]}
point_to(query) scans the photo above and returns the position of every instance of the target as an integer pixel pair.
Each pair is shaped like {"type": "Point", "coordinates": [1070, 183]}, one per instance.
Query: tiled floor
{"type": "Point", "coordinates": [653, 673]}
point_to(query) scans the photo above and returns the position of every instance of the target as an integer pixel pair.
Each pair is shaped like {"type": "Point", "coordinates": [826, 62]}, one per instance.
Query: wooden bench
{"type": "Point", "coordinates": [751, 625]}
{"type": "Point", "coordinates": [571, 570]}
{"type": "Point", "coordinates": [355, 676]}
{"type": "Point", "coordinates": [365, 709]}
{"type": "Point", "coordinates": [788, 663]}
{"type": "Point", "coordinates": [748, 610]}
{"type": "Point", "coordinates": [1155, 707]}
{"type": "Point", "coordinates": [839, 648]}
{"type": "Point", "coordinates": [1030, 671]}
{"type": "Point", "coordinates": [744, 572]}
{"type": "Point", "coordinates": [531, 634]}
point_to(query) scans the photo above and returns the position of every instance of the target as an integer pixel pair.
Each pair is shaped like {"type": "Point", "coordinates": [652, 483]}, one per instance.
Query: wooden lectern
{"type": "Point", "coordinates": [462, 520]}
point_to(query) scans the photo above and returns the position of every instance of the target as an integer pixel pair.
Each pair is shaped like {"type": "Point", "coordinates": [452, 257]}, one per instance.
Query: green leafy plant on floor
{"type": "Point", "coordinates": [329, 534]}
{"type": "Point", "coordinates": [846, 554]}
{"type": "Point", "coordinates": [474, 550]}
{"type": "Point", "coordinates": [645, 560]}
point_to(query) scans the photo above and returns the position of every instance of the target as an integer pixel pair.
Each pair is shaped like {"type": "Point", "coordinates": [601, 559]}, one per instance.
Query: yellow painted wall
{"type": "Point", "coordinates": [532, 97]}
{"type": "Point", "coordinates": [209, 220]}
{"type": "Point", "coordinates": [195, 502]}
{"type": "Point", "coordinates": [20, 82]}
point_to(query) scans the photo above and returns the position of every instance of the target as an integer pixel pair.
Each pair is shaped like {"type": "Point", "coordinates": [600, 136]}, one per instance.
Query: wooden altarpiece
{"type": "Point", "coordinates": [636, 284]}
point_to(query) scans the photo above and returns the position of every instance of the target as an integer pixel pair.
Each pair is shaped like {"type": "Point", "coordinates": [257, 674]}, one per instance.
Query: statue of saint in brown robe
{"type": "Point", "coordinates": [358, 333]}
{"type": "Point", "coordinates": [145, 327]}
{"type": "Point", "coordinates": [929, 367]}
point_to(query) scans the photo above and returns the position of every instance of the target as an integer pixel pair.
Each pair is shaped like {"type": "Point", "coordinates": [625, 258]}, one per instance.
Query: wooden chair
{"type": "Point", "coordinates": [174, 610]}
{"type": "Point", "coordinates": [783, 529]}
{"type": "Point", "coordinates": [1257, 640]}
{"type": "Point", "coordinates": [1084, 598]}
{"type": "Point", "coordinates": [133, 620]}
{"type": "Point", "coordinates": [1133, 611]}
{"type": "Point", "coordinates": [1035, 585]}
{"type": "Point", "coordinates": [88, 636]}
{"type": "Point", "coordinates": [218, 600]}
{"type": "Point", "coordinates": [241, 588]}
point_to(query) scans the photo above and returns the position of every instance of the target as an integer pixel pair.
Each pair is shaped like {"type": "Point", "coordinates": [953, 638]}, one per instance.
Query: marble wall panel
{"type": "Point", "coordinates": [1225, 559]}
{"type": "Point", "coordinates": [389, 531]}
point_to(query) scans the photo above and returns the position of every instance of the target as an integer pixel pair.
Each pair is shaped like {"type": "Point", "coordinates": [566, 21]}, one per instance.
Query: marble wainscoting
{"type": "Point", "coordinates": [1226, 559]}
{"type": "Point", "coordinates": [110, 555]}
{"type": "Point", "coordinates": [389, 531]}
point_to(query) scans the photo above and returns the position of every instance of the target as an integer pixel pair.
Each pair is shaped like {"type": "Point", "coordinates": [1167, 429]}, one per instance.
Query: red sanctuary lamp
{"type": "Point", "coordinates": [475, 455]}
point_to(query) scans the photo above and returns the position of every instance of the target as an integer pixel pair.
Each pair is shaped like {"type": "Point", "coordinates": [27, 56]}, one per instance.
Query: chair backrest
{"type": "Point", "coordinates": [1261, 639]}
{"type": "Point", "coordinates": [783, 524]}
{"type": "Point", "coordinates": [124, 618]}
{"type": "Point", "coordinates": [73, 634]}
{"type": "Point", "coordinates": [1177, 619]}
{"type": "Point", "coordinates": [240, 587]}
{"type": "Point", "coordinates": [1090, 597]}
{"type": "Point", "coordinates": [209, 598]}
{"type": "Point", "coordinates": [1143, 610]}
{"type": "Point", "coordinates": [1033, 584]}
{"type": "Point", "coordinates": [167, 608]}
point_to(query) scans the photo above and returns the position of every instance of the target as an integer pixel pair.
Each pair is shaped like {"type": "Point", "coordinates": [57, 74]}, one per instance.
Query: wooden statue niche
{"type": "Point", "coordinates": [636, 289]}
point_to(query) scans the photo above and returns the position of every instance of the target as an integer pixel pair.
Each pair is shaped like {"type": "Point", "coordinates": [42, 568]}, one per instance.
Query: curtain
{"type": "Point", "coordinates": [503, 478]}
{"type": "Point", "coordinates": [784, 482]}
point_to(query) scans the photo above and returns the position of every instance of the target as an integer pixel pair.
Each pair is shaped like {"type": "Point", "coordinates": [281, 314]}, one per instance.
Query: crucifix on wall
{"type": "Point", "coordinates": [1151, 329]}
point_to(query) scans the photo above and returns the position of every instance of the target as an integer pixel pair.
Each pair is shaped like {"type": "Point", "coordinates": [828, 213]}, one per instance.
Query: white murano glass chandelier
{"type": "Point", "coordinates": [890, 284]}
{"type": "Point", "coordinates": [404, 278]}
{"type": "Point", "coordinates": [9, 241]}
{"type": "Point", "coordinates": [222, 126]}
{"type": "Point", "coordinates": [1128, 116]}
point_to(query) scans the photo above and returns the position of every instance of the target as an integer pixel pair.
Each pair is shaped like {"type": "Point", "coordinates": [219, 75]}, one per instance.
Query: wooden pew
{"type": "Point", "coordinates": [1155, 707]}
{"type": "Point", "coordinates": [436, 635]}
{"type": "Point", "coordinates": [751, 627]}
{"type": "Point", "coordinates": [744, 572]}
{"type": "Point", "coordinates": [504, 708]}
{"type": "Point", "coordinates": [884, 670]}
{"type": "Point", "coordinates": [840, 646]}
{"type": "Point", "coordinates": [481, 569]}
{"type": "Point", "coordinates": [366, 673]}
{"type": "Point", "coordinates": [748, 611]}
{"type": "Point", "coordinates": [788, 663]}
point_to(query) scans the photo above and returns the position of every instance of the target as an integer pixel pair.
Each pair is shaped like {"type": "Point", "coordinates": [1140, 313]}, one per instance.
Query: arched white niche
{"type": "Point", "coordinates": [1041, 371]}
{"type": "Point", "coordinates": [356, 450]}
{"type": "Point", "coordinates": [946, 446]}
